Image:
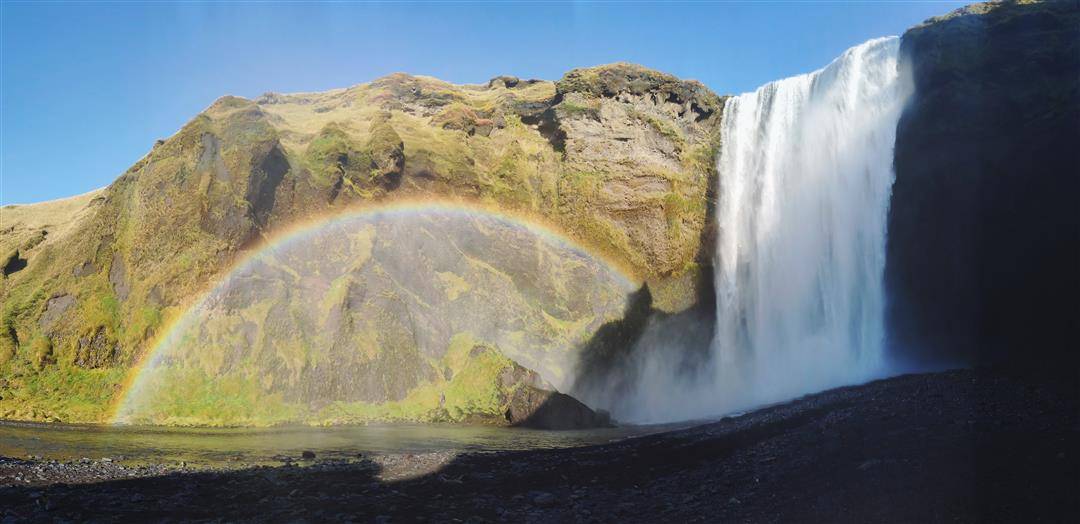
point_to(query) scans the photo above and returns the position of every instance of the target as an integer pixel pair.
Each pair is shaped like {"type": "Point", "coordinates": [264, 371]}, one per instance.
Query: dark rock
{"type": "Point", "coordinates": [97, 350]}
{"type": "Point", "coordinates": [154, 297]}
{"type": "Point", "coordinates": [544, 500]}
{"type": "Point", "coordinates": [266, 175]}
{"type": "Point", "coordinates": [118, 277]}
{"type": "Point", "coordinates": [982, 252]}
{"type": "Point", "coordinates": [504, 81]}
{"type": "Point", "coordinates": [54, 308]}
{"type": "Point", "coordinates": [84, 269]}
{"type": "Point", "coordinates": [308, 455]}
{"type": "Point", "coordinates": [612, 80]}
{"type": "Point", "coordinates": [12, 264]}
{"type": "Point", "coordinates": [537, 408]}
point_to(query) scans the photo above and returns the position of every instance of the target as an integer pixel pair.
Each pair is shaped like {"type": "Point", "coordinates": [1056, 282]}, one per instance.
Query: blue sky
{"type": "Point", "coordinates": [88, 87]}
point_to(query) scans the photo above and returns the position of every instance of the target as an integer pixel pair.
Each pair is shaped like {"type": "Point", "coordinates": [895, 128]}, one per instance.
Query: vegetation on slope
{"type": "Point", "coordinates": [617, 156]}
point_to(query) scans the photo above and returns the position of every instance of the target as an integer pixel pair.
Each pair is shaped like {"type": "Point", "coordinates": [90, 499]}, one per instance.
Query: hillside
{"type": "Point", "coordinates": [617, 159]}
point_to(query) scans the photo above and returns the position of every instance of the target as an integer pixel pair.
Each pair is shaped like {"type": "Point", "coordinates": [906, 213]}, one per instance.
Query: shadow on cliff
{"type": "Point", "coordinates": [984, 234]}
{"type": "Point", "coordinates": [611, 364]}
{"type": "Point", "coordinates": [615, 363]}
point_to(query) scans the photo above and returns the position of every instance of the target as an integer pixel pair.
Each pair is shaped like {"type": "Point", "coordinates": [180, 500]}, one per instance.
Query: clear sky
{"type": "Point", "coordinates": [88, 87]}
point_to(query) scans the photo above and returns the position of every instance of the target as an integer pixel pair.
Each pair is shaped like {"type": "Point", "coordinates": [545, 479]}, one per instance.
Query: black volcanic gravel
{"type": "Point", "coordinates": [957, 446]}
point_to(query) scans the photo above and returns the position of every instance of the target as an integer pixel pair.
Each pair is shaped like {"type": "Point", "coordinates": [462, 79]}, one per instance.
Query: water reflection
{"type": "Point", "coordinates": [229, 445]}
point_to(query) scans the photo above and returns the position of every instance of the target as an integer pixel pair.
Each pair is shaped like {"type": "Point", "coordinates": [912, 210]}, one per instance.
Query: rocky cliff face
{"type": "Point", "coordinates": [618, 158]}
{"type": "Point", "coordinates": [984, 233]}
{"type": "Point", "coordinates": [425, 316]}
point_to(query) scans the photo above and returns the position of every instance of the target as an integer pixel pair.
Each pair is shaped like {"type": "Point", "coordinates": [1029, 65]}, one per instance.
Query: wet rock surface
{"type": "Point", "coordinates": [963, 446]}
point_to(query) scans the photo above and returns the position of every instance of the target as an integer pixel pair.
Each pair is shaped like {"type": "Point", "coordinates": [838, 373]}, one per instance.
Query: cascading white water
{"type": "Point", "coordinates": [805, 176]}
{"type": "Point", "coordinates": [805, 179]}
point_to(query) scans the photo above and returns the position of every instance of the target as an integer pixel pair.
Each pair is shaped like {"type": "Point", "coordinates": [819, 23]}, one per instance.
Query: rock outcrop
{"type": "Point", "coordinates": [984, 234]}
{"type": "Point", "coordinates": [430, 316]}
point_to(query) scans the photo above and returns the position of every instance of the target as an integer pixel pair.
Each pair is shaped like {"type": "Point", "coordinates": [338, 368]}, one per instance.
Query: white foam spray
{"type": "Point", "coordinates": [805, 176]}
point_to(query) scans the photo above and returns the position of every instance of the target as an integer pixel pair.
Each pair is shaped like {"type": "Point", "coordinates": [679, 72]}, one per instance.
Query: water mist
{"type": "Point", "coordinates": [805, 174]}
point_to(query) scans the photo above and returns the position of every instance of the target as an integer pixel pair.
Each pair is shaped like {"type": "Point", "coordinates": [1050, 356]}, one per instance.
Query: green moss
{"type": "Point", "coordinates": [101, 309]}
{"type": "Point", "coordinates": [382, 137]}
{"type": "Point", "coordinates": [196, 398]}
{"type": "Point", "coordinates": [242, 122]}
{"type": "Point", "coordinates": [578, 187]}
{"type": "Point", "coordinates": [664, 128]}
{"type": "Point", "coordinates": [7, 348]}
{"type": "Point", "coordinates": [86, 394]}
{"type": "Point", "coordinates": [586, 80]}
{"type": "Point", "coordinates": [21, 301]}
{"type": "Point", "coordinates": [330, 142]}
{"type": "Point", "coordinates": [453, 285]}
{"type": "Point", "coordinates": [468, 386]}
{"type": "Point", "coordinates": [674, 206]}
{"type": "Point", "coordinates": [509, 181]}
{"type": "Point", "coordinates": [571, 109]}
{"type": "Point", "coordinates": [458, 117]}
{"type": "Point", "coordinates": [472, 390]}
{"type": "Point", "coordinates": [515, 166]}
{"type": "Point", "coordinates": [41, 349]}
{"type": "Point", "coordinates": [331, 154]}
{"type": "Point", "coordinates": [145, 322]}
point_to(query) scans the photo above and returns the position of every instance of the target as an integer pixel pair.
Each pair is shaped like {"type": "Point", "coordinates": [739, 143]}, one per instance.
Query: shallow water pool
{"type": "Point", "coordinates": [255, 445]}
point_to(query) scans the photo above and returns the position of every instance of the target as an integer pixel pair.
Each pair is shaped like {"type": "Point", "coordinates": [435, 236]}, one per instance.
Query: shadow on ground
{"type": "Point", "coordinates": [955, 446]}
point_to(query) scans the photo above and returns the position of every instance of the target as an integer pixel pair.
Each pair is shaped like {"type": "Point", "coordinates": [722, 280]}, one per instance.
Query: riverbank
{"type": "Point", "coordinates": [972, 445]}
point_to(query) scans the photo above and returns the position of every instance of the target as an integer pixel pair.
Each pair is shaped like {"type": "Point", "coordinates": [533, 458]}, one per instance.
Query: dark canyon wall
{"type": "Point", "coordinates": [984, 251]}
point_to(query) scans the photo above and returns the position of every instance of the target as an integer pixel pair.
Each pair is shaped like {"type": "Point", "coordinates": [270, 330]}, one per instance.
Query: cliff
{"type": "Point", "coordinates": [984, 233]}
{"type": "Point", "coordinates": [616, 158]}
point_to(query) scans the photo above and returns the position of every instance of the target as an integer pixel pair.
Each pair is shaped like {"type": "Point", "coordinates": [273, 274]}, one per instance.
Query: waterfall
{"type": "Point", "coordinates": [805, 176]}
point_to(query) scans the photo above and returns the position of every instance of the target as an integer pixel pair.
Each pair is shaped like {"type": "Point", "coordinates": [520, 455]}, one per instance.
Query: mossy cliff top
{"type": "Point", "coordinates": [619, 156]}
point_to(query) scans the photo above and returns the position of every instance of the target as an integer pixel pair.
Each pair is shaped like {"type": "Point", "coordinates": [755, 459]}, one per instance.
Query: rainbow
{"type": "Point", "coordinates": [396, 209]}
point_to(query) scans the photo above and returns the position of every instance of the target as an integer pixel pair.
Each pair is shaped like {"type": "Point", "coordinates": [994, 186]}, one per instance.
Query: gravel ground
{"type": "Point", "coordinates": [957, 446]}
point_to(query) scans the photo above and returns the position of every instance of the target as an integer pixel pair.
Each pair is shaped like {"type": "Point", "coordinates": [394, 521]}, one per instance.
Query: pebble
{"type": "Point", "coordinates": [544, 500]}
{"type": "Point", "coordinates": [438, 494]}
